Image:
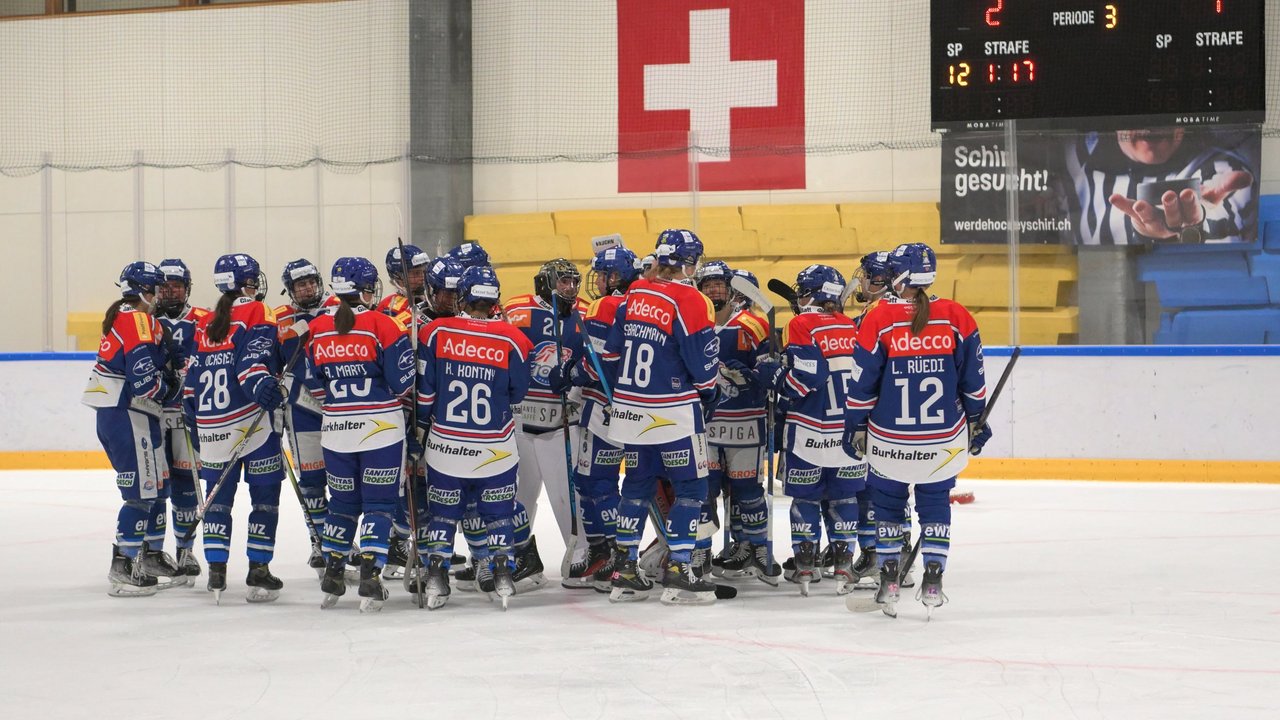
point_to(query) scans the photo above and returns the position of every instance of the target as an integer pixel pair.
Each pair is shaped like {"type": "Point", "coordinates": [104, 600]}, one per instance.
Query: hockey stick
{"type": "Point", "coordinates": [753, 293]}
{"type": "Point", "coordinates": [293, 479]}
{"type": "Point", "coordinates": [411, 479]}
{"type": "Point", "coordinates": [301, 330]}
{"type": "Point", "coordinates": [783, 290]}
{"type": "Point", "coordinates": [857, 604]}
{"type": "Point", "coordinates": [658, 516]}
{"type": "Point", "coordinates": [566, 562]}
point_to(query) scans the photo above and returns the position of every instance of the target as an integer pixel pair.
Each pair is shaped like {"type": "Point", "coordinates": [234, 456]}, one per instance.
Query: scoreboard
{"type": "Point", "coordinates": [1096, 64]}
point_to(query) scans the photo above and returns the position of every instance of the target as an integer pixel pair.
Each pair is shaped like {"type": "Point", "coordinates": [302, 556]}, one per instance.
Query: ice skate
{"type": "Point", "coordinates": [457, 564]}
{"type": "Point", "coordinates": [188, 563]}
{"type": "Point", "coordinates": [930, 592]}
{"type": "Point", "coordinates": [262, 585]}
{"type": "Point", "coordinates": [886, 597]}
{"type": "Point", "coordinates": [397, 560]}
{"type": "Point", "coordinates": [601, 579]}
{"type": "Point", "coordinates": [484, 578]}
{"type": "Point", "coordinates": [464, 576]}
{"type": "Point", "coordinates": [734, 561]}
{"type": "Point", "coordinates": [217, 580]}
{"type": "Point", "coordinates": [372, 592]}
{"type": "Point", "coordinates": [316, 560]}
{"type": "Point", "coordinates": [127, 577]}
{"type": "Point", "coordinates": [701, 562]}
{"type": "Point", "coordinates": [528, 575]}
{"type": "Point", "coordinates": [352, 570]}
{"type": "Point", "coordinates": [681, 585]}
{"type": "Point", "coordinates": [628, 583]}
{"type": "Point", "coordinates": [866, 576]}
{"type": "Point", "coordinates": [333, 583]}
{"type": "Point", "coordinates": [906, 562]}
{"type": "Point", "coordinates": [842, 566]}
{"type": "Point", "coordinates": [761, 566]}
{"type": "Point", "coordinates": [504, 584]}
{"type": "Point", "coordinates": [827, 561]}
{"type": "Point", "coordinates": [582, 574]}
{"type": "Point", "coordinates": [161, 566]}
{"type": "Point", "coordinates": [805, 572]}
{"type": "Point", "coordinates": [437, 583]}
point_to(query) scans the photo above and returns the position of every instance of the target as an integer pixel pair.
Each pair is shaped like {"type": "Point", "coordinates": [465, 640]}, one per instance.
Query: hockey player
{"type": "Point", "coordinates": [913, 410]}
{"type": "Point", "coordinates": [363, 361]}
{"type": "Point", "coordinates": [174, 311]}
{"type": "Point", "coordinates": [598, 460]}
{"type": "Point", "coordinates": [304, 404]}
{"type": "Point", "coordinates": [469, 255]}
{"type": "Point", "coordinates": [231, 379]}
{"type": "Point", "coordinates": [128, 387]}
{"type": "Point", "coordinates": [818, 345]}
{"type": "Point", "coordinates": [662, 356]}
{"type": "Point", "coordinates": [473, 370]}
{"type": "Point", "coordinates": [735, 434]}
{"type": "Point", "coordinates": [551, 319]}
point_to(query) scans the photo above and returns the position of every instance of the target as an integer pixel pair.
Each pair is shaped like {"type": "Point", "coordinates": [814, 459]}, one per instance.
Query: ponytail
{"type": "Point", "coordinates": [345, 318]}
{"type": "Point", "coordinates": [109, 320]}
{"type": "Point", "coordinates": [220, 325]}
{"type": "Point", "coordinates": [921, 318]}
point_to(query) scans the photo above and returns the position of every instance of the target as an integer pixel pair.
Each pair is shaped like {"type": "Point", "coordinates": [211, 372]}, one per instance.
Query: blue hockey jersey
{"type": "Point", "coordinates": [739, 418]}
{"type": "Point", "coordinates": [819, 358]}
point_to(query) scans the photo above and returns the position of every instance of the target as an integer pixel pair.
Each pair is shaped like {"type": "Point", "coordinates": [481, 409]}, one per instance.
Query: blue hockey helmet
{"type": "Point", "coordinates": [414, 258]}
{"type": "Point", "coordinates": [913, 265]}
{"type": "Point", "coordinates": [738, 299]}
{"type": "Point", "coordinates": [715, 270]}
{"type": "Point", "coordinates": [820, 283]}
{"type": "Point", "coordinates": [302, 269]}
{"type": "Point", "coordinates": [604, 265]}
{"type": "Point", "coordinates": [353, 276]}
{"type": "Point", "coordinates": [139, 278]}
{"type": "Point", "coordinates": [443, 274]}
{"type": "Point", "coordinates": [469, 255]}
{"type": "Point", "coordinates": [175, 269]}
{"type": "Point", "coordinates": [170, 301]}
{"type": "Point", "coordinates": [872, 276]}
{"type": "Point", "coordinates": [677, 248]}
{"type": "Point", "coordinates": [479, 284]}
{"type": "Point", "coordinates": [237, 271]}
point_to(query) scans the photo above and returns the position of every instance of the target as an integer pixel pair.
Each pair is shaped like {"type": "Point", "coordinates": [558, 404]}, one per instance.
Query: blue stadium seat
{"type": "Point", "coordinates": [1268, 207]}
{"type": "Point", "coordinates": [1251, 326]}
{"type": "Point", "coordinates": [1271, 236]}
{"type": "Point", "coordinates": [1267, 266]}
{"type": "Point", "coordinates": [1203, 280]}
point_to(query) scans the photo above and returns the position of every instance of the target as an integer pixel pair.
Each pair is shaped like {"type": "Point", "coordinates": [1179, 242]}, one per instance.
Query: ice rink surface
{"type": "Point", "coordinates": [1068, 600]}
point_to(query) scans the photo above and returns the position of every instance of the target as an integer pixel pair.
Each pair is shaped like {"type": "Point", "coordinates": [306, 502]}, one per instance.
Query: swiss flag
{"type": "Point", "coordinates": [730, 70]}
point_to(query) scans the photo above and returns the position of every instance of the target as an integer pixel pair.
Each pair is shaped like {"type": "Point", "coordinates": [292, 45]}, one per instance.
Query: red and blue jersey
{"type": "Point", "coordinates": [305, 397]}
{"type": "Point", "coordinates": [472, 373]}
{"type": "Point", "coordinates": [819, 350]}
{"type": "Point", "coordinates": [182, 334]}
{"type": "Point", "coordinates": [739, 417]}
{"type": "Point", "coordinates": [597, 320]}
{"type": "Point", "coordinates": [363, 372]}
{"type": "Point", "coordinates": [532, 316]}
{"type": "Point", "coordinates": [916, 392]}
{"type": "Point", "coordinates": [222, 377]}
{"type": "Point", "coordinates": [127, 371]}
{"type": "Point", "coordinates": [665, 356]}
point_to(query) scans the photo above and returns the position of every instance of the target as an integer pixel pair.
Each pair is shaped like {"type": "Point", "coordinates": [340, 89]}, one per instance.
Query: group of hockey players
{"type": "Point", "coordinates": [439, 406]}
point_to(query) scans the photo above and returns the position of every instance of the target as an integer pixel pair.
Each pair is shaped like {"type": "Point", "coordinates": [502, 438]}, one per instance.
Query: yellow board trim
{"type": "Point", "coordinates": [1206, 471]}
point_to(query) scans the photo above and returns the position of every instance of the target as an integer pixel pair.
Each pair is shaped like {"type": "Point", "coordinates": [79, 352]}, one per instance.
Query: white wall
{"type": "Point", "coordinates": [1158, 408]}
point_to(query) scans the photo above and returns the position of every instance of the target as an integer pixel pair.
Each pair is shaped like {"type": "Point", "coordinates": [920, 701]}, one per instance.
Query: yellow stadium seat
{"type": "Point", "coordinates": [719, 228]}
{"type": "Point", "coordinates": [1044, 281]}
{"type": "Point", "coordinates": [517, 238]}
{"type": "Point", "coordinates": [1002, 249]}
{"type": "Point", "coordinates": [884, 226]}
{"type": "Point", "coordinates": [86, 328]}
{"type": "Point", "coordinates": [1060, 326]}
{"type": "Point", "coordinates": [582, 225]}
{"type": "Point", "coordinates": [524, 223]}
{"type": "Point", "coordinates": [516, 278]}
{"type": "Point", "coordinates": [799, 230]}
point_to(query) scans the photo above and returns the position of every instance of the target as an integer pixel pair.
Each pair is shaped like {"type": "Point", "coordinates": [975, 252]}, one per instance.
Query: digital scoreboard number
{"type": "Point", "coordinates": [1096, 64]}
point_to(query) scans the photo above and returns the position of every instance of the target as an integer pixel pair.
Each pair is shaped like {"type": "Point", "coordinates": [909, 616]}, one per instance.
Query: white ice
{"type": "Point", "coordinates": [1068, 600]}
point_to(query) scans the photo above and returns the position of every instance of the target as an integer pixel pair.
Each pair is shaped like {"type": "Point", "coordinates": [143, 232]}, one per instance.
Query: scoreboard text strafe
{"type": "Point", "coordinates": [1096, 64]}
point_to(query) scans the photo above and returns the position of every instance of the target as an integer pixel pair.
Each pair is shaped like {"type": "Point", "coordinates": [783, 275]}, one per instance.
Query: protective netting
{"type": "Point", "coordinates": [294, 84]}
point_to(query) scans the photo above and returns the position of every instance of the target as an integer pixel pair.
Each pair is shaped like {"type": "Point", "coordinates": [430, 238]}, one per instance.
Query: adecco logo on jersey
{"type": "Point", "coordinates": [642, 308]}
{"type": "Point", "coordinates": [343, 350]}
{"type": "Point", "coordinates": [933, 342]}
{"type": "Point", "coordinates": [731, 71]}
{"type": "Point", "coordinates": [837, 344]}
{"type": "Point", "coordinates": [474, 349]}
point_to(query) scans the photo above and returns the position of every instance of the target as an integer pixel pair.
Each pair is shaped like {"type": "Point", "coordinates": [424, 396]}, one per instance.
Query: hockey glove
{"type": "Point", "coordinates": [770, 373]}
{"type": "Point", "coordinates": [737, 369]}
{"type": "Point", "coordinates": [854, 442]}
{"type": "Point", "coordinates": [267, 394]}
{"type": "Point", "coordinates": [560, 378]}
{"type": "Point", "coordinates": [978, 436]}
{"type": "Point", "coordinates": [172, 386]}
